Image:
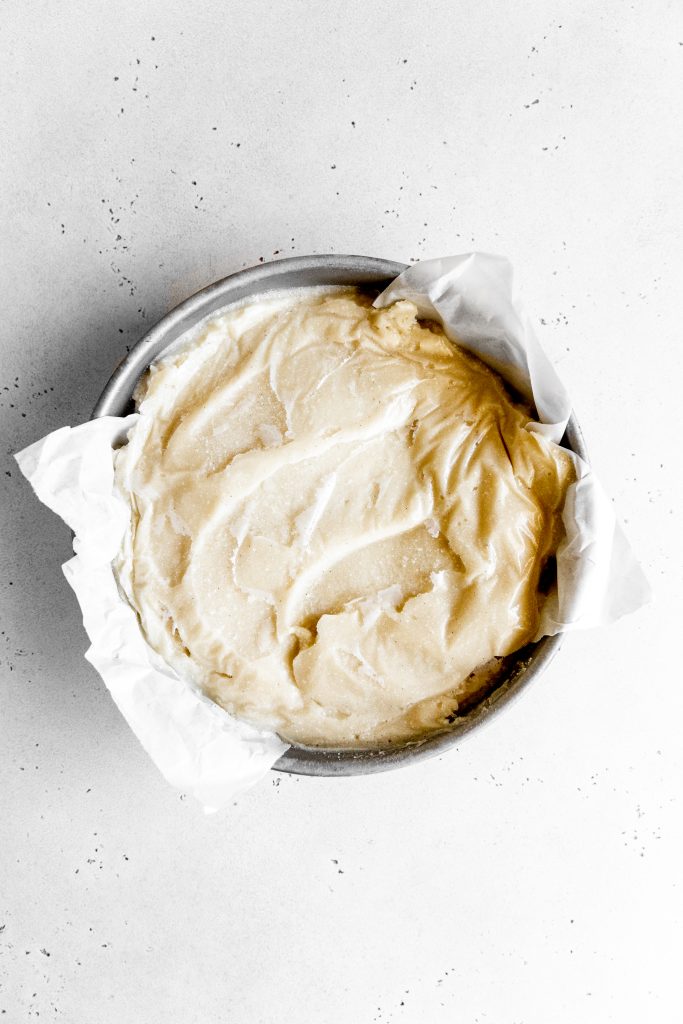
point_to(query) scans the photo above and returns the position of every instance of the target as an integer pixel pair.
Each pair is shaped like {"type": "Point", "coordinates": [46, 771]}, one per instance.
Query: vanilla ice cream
{"type": "Point", "coordinates": [339, 520]}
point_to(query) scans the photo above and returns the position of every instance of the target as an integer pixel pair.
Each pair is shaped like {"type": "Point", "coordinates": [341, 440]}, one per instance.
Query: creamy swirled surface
{"type": "Point", "coordinates": [338, 517]}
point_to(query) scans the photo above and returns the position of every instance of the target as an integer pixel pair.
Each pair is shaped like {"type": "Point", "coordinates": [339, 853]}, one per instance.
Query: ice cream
{"type": "Point", "coordinates": [339, 520]}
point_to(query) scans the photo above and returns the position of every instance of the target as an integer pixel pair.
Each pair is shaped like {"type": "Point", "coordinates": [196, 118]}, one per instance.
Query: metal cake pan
{"type": "Point", "coordinates": [309, 271]}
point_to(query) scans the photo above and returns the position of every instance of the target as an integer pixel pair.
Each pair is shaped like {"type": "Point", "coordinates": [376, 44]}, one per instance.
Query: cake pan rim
{"type": "Point", "coordinates": [311, 271]}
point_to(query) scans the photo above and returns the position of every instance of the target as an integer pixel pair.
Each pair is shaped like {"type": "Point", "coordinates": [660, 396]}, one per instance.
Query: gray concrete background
{"type": "Point", "coordinates": [532, 875]}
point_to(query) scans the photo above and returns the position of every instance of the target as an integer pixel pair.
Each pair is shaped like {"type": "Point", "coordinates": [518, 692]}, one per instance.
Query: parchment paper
{"type": "Point", "coordinates": [198, 746]}
{"type": "Point", "coordinates": [474, 297]}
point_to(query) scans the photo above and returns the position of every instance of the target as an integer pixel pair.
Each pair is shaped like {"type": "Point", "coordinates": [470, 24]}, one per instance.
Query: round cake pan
{"type": "Point", "coordinates": [310, 271]}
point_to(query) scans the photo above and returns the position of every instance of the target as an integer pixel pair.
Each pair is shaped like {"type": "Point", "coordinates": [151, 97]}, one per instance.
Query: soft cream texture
{"type": "Point", "coordinates": [337, 517]}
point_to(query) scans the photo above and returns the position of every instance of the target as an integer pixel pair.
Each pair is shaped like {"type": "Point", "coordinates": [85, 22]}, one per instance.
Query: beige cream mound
{"type": "Point", "coordinates": [337, 517]}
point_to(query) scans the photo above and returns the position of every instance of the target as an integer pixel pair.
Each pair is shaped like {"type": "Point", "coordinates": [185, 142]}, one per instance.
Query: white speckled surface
{"type": "Point", "coordinates": [533, 875]}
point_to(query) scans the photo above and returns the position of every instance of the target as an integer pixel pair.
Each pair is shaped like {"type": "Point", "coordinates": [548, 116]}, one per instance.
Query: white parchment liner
{"type": "Point", "coordinates": [199, 747]}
